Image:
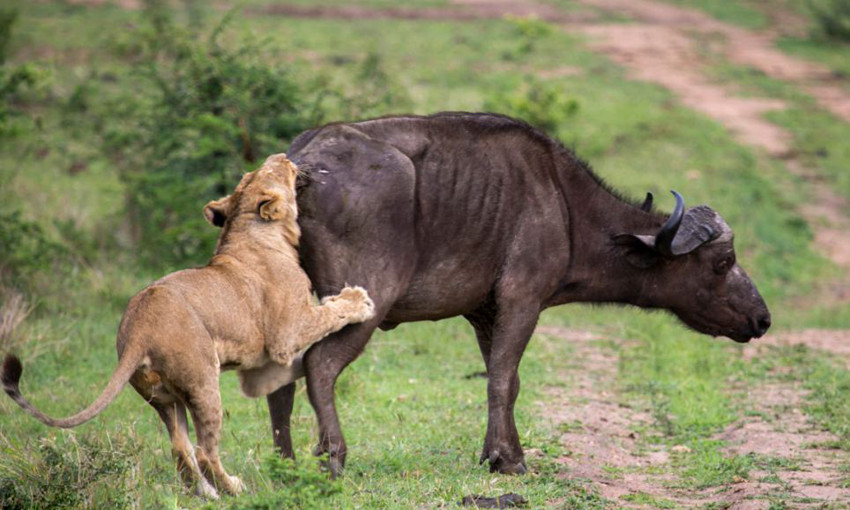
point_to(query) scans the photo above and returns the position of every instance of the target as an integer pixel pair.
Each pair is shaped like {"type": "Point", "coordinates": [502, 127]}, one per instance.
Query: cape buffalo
{"type": "Point", "coordinates": [484, 216]}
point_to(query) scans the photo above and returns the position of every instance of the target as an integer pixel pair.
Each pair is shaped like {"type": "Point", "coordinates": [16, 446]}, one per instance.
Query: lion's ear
{"type": "Point", "coordinates": [216, 211]}
{"type": "Point", "coordinates": [272, 207]}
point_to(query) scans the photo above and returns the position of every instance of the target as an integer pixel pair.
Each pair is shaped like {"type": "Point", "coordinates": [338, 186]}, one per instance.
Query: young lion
{"type": "Point", "coordinates": [250, 309]}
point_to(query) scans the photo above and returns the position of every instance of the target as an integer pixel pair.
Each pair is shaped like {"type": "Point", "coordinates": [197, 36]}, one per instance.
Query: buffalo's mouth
{"type": "Point", "coordinates": [741, 339]}
{"type": "Point", "coordinates": [757, 326]}
{"type": "Point", "coordinates": [741, 334]}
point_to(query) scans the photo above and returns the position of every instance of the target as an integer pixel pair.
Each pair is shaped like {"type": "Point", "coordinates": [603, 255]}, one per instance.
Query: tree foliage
{"type": "Point", "coordinates": [207, 111]}
{"type": "Point", "coordinates": [833, 18]}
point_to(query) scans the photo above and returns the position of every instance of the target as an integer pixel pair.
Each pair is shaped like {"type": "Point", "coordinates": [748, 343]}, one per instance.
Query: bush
{"type": "Point", "coordinates": [26, 252]}
{"type": "Point", "coordinates": [527, 31]}
{"type": "Point", "coordinates": [296, 486]}
{"type": "Point", "coordinates": [14, 80]}
{"type": "Point", "coordinates": [538, 103]}
{"type": "Point", "coordinates": [216, 109]}
{"type": "Point", "coordinates": [374, 92]}
{"type": "Point", "coordinates": [75, 475]}
{"type": "Point", "coordinates": [833, 18]}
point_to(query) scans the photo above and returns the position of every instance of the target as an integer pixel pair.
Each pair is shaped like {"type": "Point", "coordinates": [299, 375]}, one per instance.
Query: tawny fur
{"type": "Point", "coordinates": [250, 309]}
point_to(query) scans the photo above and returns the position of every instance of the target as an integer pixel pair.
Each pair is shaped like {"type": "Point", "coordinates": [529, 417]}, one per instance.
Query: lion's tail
{"type": "Point", "coordinates": [11, 375]}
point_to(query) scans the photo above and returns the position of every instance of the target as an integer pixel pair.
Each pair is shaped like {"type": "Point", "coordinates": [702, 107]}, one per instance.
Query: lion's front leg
{"type": "Point", "coordinates": [351, 305]}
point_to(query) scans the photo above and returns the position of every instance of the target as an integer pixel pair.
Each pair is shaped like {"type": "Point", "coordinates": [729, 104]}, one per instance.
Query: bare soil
{"type": "Point", "coordinates": [609, 445]}
{"type": "Point", "coordinates": [460, 10]}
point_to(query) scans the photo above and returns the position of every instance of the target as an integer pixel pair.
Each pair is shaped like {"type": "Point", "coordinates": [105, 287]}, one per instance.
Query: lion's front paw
{"type": "Point", "coordinates": [366, 310]}
{"type": "Point", "coordinates": [352, 303]}
{"type": "Point", "coordinates": [355, 294]}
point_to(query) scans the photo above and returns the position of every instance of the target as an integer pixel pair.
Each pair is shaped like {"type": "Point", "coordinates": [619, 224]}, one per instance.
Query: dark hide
{"type": "Point", "coordinates": [484, 216]}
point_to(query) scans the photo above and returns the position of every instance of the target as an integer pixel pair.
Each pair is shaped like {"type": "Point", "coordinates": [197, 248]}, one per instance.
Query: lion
{"type": "Point", "coordinates": [250, 309]}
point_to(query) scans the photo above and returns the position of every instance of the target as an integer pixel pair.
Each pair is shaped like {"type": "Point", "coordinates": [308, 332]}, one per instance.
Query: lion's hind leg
{"type": "Point", "coordinates": [174, 416]}
{"type": "Point", "coordinates": [204, 402]}
{"type": "Point", "coordinates": [350, 306]}
{"type": "Point", "coordinates": [172, 411]}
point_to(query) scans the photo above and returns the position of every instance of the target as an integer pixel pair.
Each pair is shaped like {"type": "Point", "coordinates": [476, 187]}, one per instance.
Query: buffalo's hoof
{"type": "Point", "coordinates": [508, 468]}
{"type": "Point", "coordinates": [504, 465]}
{"type": "Point", "coordinates": [333, 462]}
{"type": "Point", "coordinates": [333, 466]}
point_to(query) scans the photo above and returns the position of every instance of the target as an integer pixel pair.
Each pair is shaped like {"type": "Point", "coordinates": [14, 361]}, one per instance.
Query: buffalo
{"type": "Point", "coordinates": [484, 216]}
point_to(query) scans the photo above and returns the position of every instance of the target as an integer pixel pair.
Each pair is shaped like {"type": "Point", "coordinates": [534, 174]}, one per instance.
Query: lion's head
{"type": "Point", "coordinates": [265, 195]}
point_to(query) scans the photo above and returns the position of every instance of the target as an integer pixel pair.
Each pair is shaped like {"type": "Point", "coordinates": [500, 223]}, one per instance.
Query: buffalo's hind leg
{"type": "Point", "coordinates": [502, 339]}
{"type": "Point", "coordinates": [280, 410]}
{"type": "Point", "coordinates": [324, 362]}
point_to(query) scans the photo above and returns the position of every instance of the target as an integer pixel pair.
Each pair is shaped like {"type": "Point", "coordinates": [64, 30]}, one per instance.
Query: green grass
{"type": "Point", "coordinates": [413, 422]}
{"type": "Point", "coordinates": [642, 498]}
{"type": "Point", "coordinates": [744, 13]}
{"type": "Point", "coordinates": [831, 54]}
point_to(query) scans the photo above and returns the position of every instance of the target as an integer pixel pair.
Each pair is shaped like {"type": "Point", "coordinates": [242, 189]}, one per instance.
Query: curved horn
{"type": "Point", "coordinates": [664, 238]}
{"type": "Point", "coordinates": [647, 203]}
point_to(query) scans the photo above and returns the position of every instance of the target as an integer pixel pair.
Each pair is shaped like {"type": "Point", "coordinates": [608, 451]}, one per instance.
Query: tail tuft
{"type": "Point", "coordinates": [11, 375]}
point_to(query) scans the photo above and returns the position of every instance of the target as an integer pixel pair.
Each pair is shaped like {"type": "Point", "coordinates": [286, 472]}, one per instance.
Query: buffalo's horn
{"type": "Point", "coordinates": [647, 203]}
{"type": "Point", "coordinates": [664, 238]}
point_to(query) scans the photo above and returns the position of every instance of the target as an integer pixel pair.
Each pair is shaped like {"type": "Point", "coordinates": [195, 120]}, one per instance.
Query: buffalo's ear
{"type": "Point", "coordinates": [639, 250]}
{"type": "Point", "coordinates": [216, 211]}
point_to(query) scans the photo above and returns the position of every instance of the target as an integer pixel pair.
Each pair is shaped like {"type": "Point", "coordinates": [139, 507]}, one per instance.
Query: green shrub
{"type": "Point", "coordinates": [7, 21]}
{"type": "Point", "coordinates": [14, 80]}
{"type": "Point", "coordinates": [216, 110]}
{"type": "Point", "coordinates": [528, 31]}
{"type": "Point", "coordinates": [373, 92]}
{"type": "Point", "coordinates": [536, 102]}
{"type": "Point", "coordinates": [26, 252]}
{"type": "Point", "coordinates": [72, 475]}
{"type": "Point", "coordinates": [295, 486]}
{"type": "Point", "coordinates": [833, 18]}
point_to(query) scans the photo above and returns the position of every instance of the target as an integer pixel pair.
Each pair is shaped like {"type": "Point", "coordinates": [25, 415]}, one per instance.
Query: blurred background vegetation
{"type": "Point", "coordinates": [117, 125]}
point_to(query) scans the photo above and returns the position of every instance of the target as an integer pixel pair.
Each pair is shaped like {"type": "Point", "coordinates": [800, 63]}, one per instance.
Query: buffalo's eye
{"type": "Point", "coordinates": [723, 265]}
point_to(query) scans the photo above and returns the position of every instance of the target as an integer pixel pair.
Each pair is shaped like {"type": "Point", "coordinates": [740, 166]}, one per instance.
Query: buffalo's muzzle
{"type": "Point", "coordinates": [759, 324]}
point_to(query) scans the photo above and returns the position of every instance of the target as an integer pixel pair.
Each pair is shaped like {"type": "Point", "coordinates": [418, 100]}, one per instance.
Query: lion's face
{"type": "Point", "coordinates": [265, 195]}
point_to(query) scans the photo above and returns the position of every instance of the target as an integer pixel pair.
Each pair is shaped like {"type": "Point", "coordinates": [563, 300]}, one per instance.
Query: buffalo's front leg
{"type": "Point", "coordinates": [323, 363]}
{"type": "Point", "coordinates": [510, 334]}
{"type": "Point", "coordinates": [280, 409]}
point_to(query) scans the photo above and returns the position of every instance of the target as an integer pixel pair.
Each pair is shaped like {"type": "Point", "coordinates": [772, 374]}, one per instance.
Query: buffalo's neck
{"type": "Point", "coordinates": [598, 271]}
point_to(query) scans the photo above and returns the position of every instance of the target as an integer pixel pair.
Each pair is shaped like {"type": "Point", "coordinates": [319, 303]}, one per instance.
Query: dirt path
{"type": "Point", "coordinates": [607, 447]}
{"type": "Point", "coordinates": [742, 46]}
{"type": "Point", "coordinates": [460, 10]}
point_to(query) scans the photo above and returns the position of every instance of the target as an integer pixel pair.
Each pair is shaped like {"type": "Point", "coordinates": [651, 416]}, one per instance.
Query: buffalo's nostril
{"type": "Point", "coordinates": [763, 324]}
